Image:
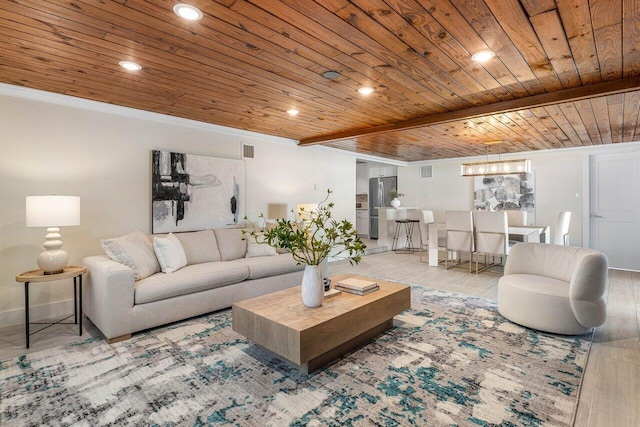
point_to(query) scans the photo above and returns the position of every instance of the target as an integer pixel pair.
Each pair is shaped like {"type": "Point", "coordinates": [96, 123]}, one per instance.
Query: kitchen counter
{"type": "Point", "coordinates": [387, 225]}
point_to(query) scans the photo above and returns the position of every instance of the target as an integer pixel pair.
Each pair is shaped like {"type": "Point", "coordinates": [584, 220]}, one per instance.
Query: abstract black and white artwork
{"type": "Point", "coordinates": [191, 192]}
{"type": "Point", "coordinates": [505, 192]}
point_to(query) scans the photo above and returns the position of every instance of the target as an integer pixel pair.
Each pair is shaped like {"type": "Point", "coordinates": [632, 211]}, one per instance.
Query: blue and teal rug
{"type": "Point", "coordinates": [451, 360]}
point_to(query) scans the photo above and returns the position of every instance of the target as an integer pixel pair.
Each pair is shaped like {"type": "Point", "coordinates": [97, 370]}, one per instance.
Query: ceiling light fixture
{"type": "Point", "coordinates": [366, 90]}
{"type": "Point", "coordinates": [483, 56]}
{"type": "Point", "coordinates": [129, 65]}
{"type": "Point", "coordinates": [188, 12]}
{"type": "Point", "coordinates": [331, 75]}
{"type": "Point", "coordinates": [497, 167]}
{"type": "Point", "coordinates": [293, 112]}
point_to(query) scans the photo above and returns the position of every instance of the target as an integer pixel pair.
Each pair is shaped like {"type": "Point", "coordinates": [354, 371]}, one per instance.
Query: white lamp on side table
{"type": "Point", "coordinates": [52, 212]}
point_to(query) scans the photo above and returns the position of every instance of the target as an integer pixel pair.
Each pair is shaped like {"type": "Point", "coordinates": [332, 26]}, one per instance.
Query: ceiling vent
{"type": "Point", "coordinates": [426, 171]}
{"type": "Point", "coordinates": [247, 151]}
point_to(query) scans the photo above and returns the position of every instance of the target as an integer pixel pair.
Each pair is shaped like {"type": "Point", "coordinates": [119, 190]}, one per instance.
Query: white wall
{"type": "Point", "coordinates": [105, 158]}
{"type": "Point", "coordinates": [561, 181]}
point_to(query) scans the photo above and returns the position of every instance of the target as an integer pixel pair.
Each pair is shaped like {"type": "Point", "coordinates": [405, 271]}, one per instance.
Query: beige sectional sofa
{"type": "Point", "coordinates": [130, 294]}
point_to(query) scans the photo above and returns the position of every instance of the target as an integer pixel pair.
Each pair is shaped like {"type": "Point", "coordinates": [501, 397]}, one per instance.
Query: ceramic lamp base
{"type": "Point", "coordinates": [53, 260]}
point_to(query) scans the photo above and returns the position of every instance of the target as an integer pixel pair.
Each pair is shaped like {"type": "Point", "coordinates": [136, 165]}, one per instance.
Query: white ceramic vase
{"type": "Point", "coordinates": [395, 203]}
{"type": "Point", "coordinates": [312, 286]}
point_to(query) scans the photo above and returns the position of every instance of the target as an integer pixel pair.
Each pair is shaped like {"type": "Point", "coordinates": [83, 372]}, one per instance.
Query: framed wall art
{"type": "Point", "coordinates": [505, 192]}
{"type": "Point", "coordinates": [191, 192]}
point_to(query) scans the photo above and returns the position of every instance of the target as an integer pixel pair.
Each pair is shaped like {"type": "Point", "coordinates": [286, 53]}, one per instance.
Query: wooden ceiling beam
{"type": "Point", "coordinates": [541, 100]}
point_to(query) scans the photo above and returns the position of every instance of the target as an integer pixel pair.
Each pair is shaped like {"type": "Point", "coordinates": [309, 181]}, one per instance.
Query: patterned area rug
{"type": "Point", "coordinates": [450, 360]}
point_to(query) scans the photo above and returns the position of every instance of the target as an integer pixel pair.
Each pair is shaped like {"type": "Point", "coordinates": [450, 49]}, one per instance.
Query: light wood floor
{"type": "Point", "coordinates": [610, 394]}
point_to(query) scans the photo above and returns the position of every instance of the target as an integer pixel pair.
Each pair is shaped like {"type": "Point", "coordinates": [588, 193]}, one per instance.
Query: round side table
{"type": "Point", "coordinates": [70, 272]}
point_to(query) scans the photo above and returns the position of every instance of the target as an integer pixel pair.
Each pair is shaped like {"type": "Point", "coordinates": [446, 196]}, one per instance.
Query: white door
{"type": "Point", "coordinates": [615, 208]}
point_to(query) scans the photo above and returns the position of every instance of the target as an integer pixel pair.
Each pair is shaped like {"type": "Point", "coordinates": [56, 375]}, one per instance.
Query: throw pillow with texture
{"type": "Point", "coordinates": [133, 250]}
{"type": "Point", "coordinates": [170, 253]}
{"type": "Point", "coordinates": [257, 249]}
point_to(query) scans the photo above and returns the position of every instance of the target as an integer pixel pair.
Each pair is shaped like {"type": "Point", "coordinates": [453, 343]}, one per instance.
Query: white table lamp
{"type": "Point", "coordinates": [52, 212]}
{"type": "Point", "coordinates": [276, 211]}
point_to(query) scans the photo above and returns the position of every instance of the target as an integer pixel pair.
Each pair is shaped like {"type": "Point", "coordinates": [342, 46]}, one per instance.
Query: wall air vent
{"type": "Point", "coordinates": [247, 151]}
{"type": "Point", "coordinates": [426, 171]}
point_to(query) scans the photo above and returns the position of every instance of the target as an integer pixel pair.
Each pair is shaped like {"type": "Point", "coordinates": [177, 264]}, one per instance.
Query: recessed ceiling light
{"type": "Point", "coordinates": [483, 56]}
{"type": "Point", "coordinates": [331, 75]}
{"type": "Point", "coordinates": [131, 66]}
{"type": "Point", "coordinates": [365, 90]}
{"type": "Point", "coordinates": [188, 12]}
{"type": "Point", "coordinates": [293, 112]}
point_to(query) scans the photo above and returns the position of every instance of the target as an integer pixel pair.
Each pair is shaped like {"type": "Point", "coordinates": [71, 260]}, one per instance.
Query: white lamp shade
{"type": "Point", "coordinates": [276, 210]}
{"type": "Point", "coordinates": [52, 211]}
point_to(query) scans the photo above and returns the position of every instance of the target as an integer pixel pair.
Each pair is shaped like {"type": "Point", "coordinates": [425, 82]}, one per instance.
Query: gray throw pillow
{"type": "Point", "coordinates": [135, 251]}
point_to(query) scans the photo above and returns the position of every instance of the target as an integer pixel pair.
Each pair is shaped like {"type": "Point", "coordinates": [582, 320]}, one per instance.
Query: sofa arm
{"type": "Point", "coordinates": [108, 295]}
{"type": "Point", "coordinates": [586, 289]}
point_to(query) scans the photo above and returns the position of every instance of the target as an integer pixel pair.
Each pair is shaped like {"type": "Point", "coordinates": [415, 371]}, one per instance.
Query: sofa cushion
{"type": "Point", "coordinates": [232, 244]}
{"type": "Point", "coordinates": [190, 279]}
{"type": "Point", "coordinates": [255, 249]}
{"type": "Point", "coordinates": [135, 251]}
{"type": "Point", "coordinates": [270, 265]}
{"type": "Point", "coordinates": [169, 253]}
{"type": "Point", "coordinates": [200, 246]}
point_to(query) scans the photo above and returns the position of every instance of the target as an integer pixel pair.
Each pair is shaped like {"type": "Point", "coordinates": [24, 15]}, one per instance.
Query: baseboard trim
{"type": "Point", "coordinates": [51, 310]}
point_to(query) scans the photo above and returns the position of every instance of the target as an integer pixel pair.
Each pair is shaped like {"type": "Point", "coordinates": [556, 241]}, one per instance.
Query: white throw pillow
{"type": "Point", "coordinates": [259, 249]}
{"type": "Point", "coordinates": [133, 250]}
{"type": "Point", "coordinates": [170, 253]}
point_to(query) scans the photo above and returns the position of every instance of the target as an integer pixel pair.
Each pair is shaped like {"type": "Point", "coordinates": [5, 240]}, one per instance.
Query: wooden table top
{"type": "Point", "coordinates": [286, 308]}
{"type": "Point", "coordinates": [68, 272]}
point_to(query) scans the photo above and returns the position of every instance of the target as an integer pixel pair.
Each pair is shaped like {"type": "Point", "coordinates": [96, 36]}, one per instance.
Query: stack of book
{"type": "Point", "coordinates": [357, 286]}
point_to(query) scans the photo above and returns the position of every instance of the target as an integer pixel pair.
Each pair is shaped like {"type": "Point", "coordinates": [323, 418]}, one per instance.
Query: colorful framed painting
{"type": "Point", "coordinates": [191, 192]}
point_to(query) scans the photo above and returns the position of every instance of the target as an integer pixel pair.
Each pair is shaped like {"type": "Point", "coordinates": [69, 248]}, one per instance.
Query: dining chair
{"type": "Point", "coordinates": [561, 233]}
{"type": "Point", "coordinates": [516, 217]}
{"type": "Point", "coordinates": [459, 235]}
{"type": "Point", "coordinates": [492, 237]}
{"type": "Point", "coordinates": [425, 218]}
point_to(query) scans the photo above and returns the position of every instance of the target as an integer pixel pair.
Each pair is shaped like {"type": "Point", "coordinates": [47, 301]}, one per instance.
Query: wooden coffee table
{"type": "Point", "coordinates": [310, 338]}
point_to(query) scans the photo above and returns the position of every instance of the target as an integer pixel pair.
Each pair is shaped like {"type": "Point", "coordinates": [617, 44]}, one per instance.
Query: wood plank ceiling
{"type": "Point", "coordinates": [566, 72]}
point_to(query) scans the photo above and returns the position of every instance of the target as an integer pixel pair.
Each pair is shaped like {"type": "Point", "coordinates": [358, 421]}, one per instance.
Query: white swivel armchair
{"type": "Point", "coordinates": [561, 233]}
{"type": "Point", "coordinates": [492, 237]}
{"type": "Point", "coordinates": [459, 237]}
{"type": "Point", "coordinates": [552, 288]}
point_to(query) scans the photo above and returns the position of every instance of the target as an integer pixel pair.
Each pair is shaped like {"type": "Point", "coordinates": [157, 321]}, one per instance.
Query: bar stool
{"type": "Point", "coordinates": [406, 221]}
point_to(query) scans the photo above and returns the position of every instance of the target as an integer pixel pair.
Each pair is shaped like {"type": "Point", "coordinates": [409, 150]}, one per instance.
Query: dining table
{"type": "Point", "coordinates": [531, 233]}
{"type": "Point", "coordinates": [525, 233]}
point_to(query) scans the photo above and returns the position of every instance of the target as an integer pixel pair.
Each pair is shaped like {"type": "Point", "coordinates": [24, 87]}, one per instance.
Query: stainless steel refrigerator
{"type": "Point", "coordinates": [379, 189]}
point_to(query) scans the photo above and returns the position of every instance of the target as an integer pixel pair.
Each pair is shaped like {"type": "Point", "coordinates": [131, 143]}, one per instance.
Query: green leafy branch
{"type": "Point", "coordinates": [314, 236]}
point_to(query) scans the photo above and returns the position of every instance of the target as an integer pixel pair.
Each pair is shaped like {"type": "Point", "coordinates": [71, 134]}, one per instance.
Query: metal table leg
{"type": "Point", "coordinates": [26, 311]}
{"type": "Point", "coordinates": [75, 302]}
{"type": "Point", "coordinates": [79, 303]}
